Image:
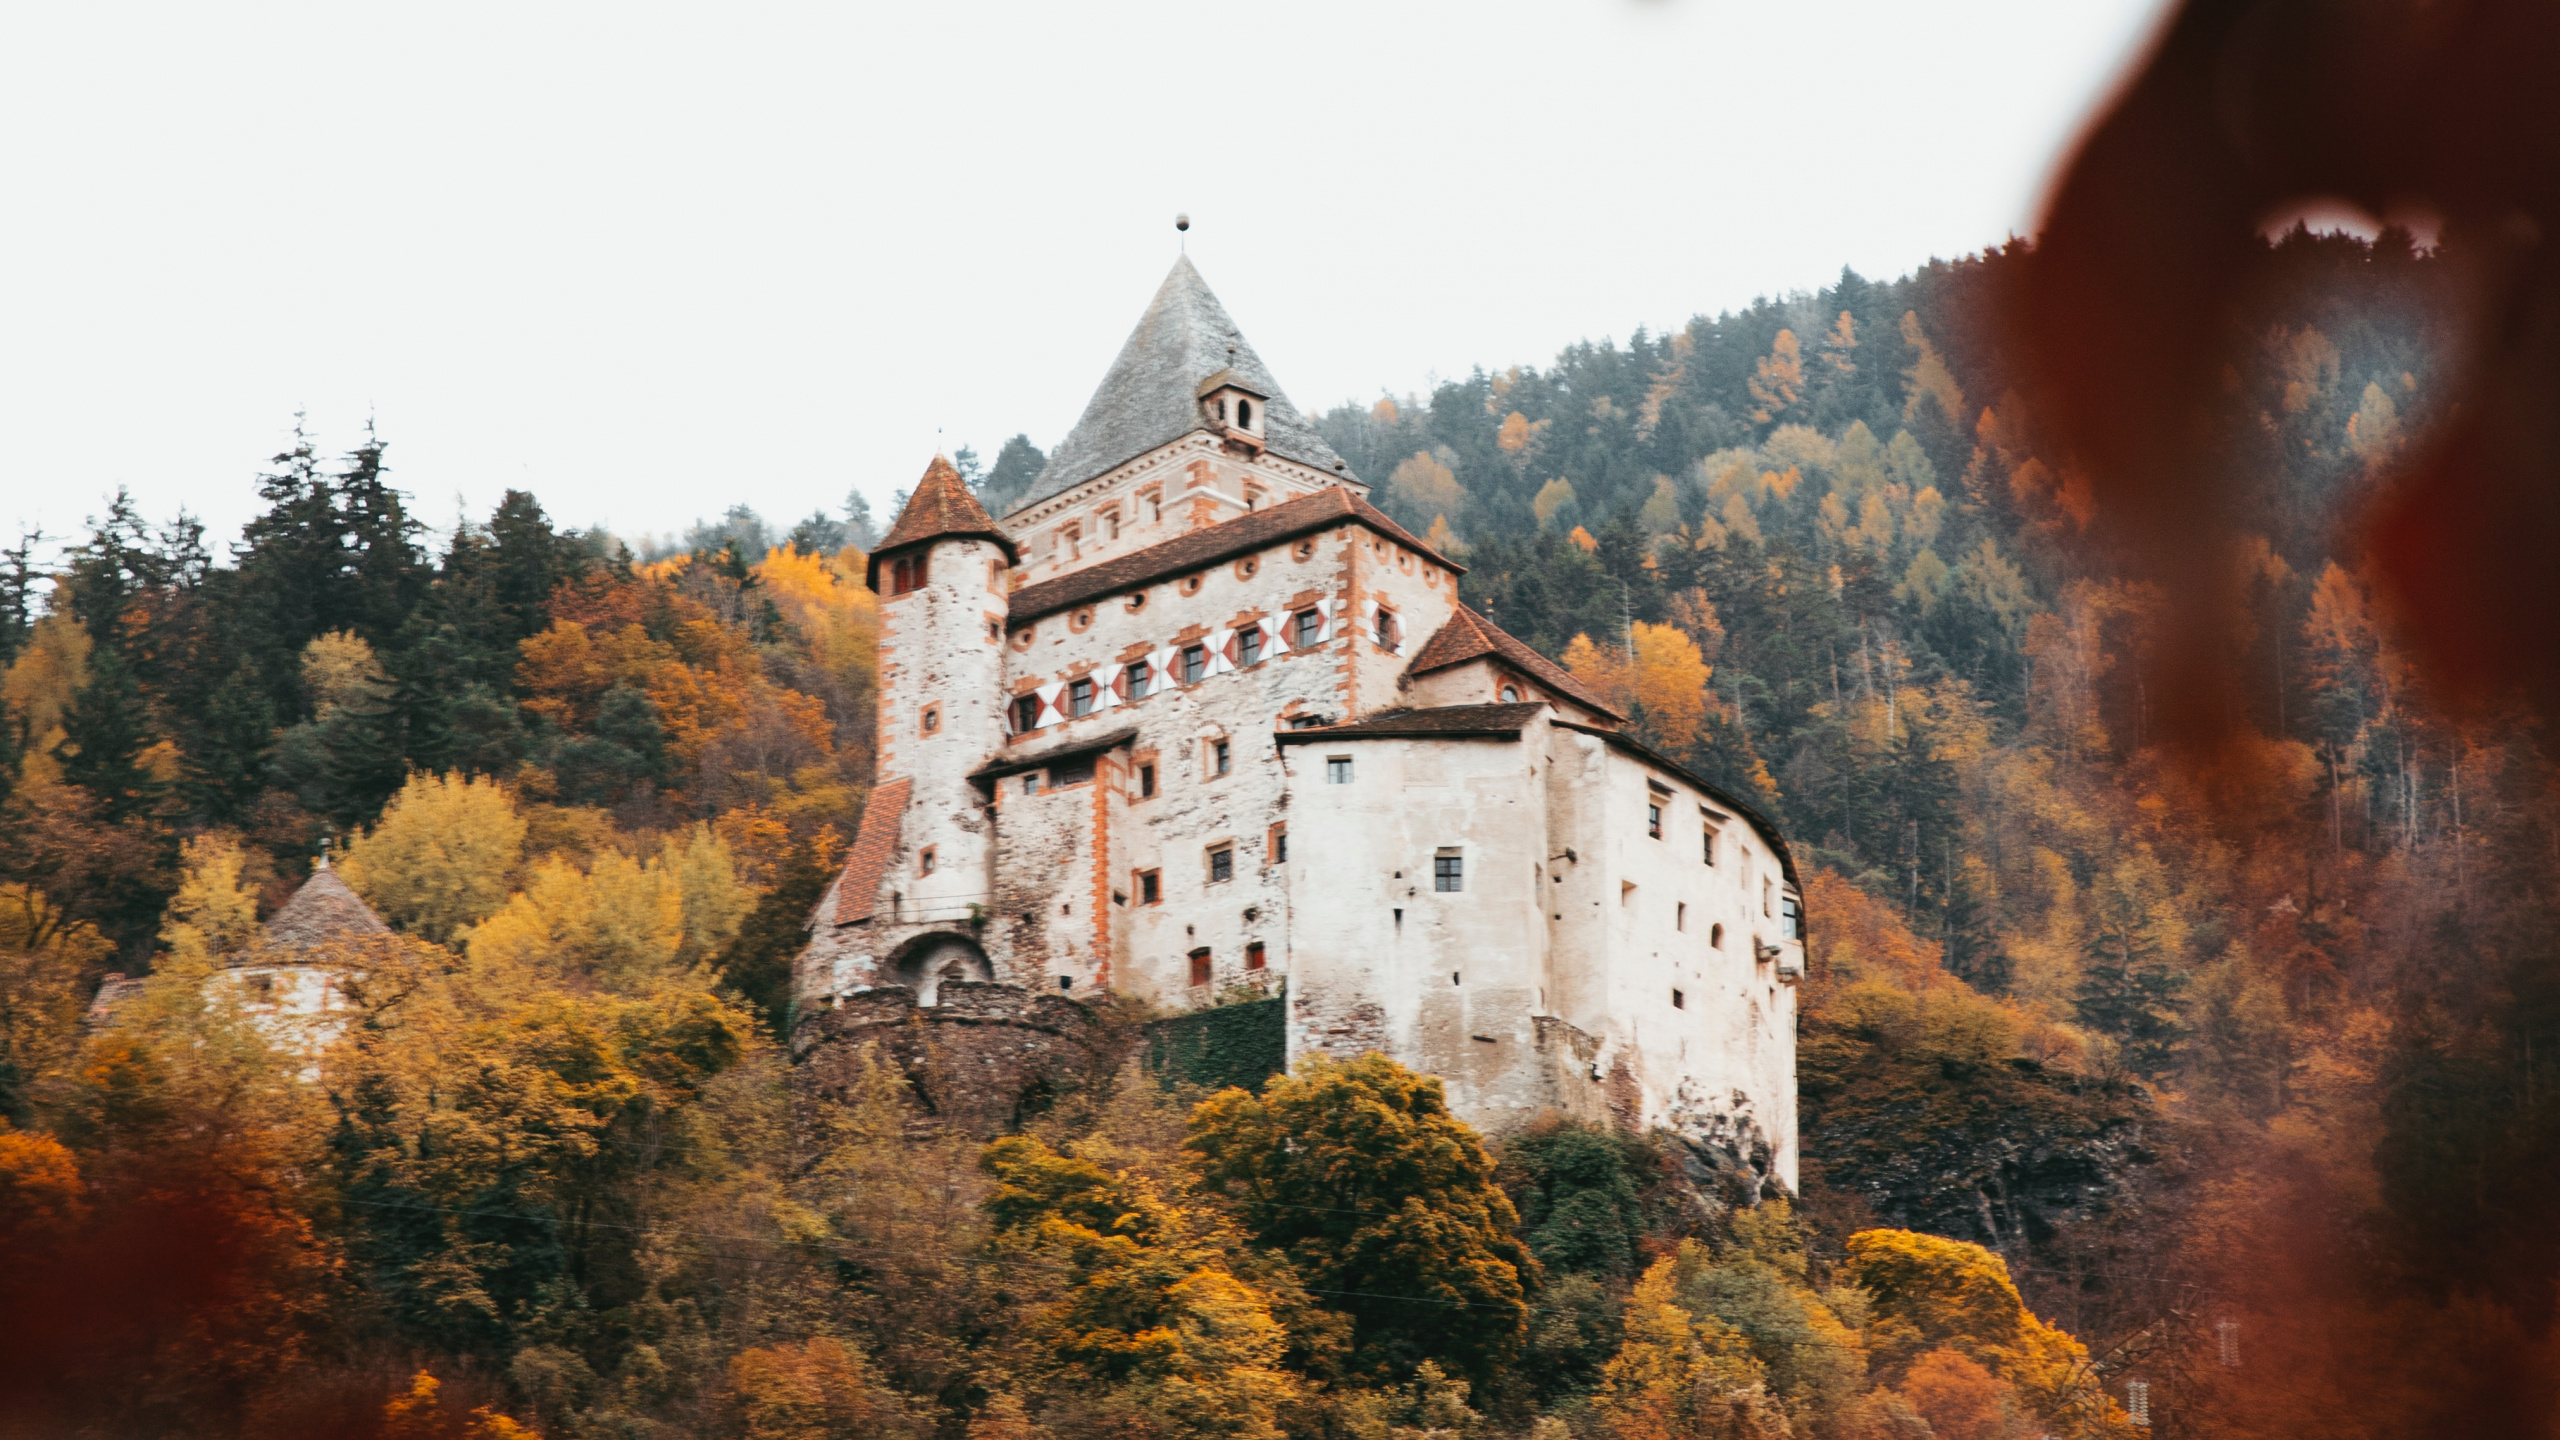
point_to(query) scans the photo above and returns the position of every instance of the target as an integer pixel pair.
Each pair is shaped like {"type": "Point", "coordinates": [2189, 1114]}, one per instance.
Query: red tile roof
{"type": "Point", "coordinates": [858, 889]}
{"type": "Point", "coordinates": [1470, 636]}
{"type": "Point", "coordinates": [1330, 506]}
{"type": "Point", "coordinates": [941, 507]}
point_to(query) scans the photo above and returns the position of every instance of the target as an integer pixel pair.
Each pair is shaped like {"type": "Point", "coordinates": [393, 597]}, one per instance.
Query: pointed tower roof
{"type": "Point", "coordinates": [1151, 396]}
{"type": "Point", "coordinates": [324, 910]}
{"type": "Point", "coordinates": [1469, 636]}
{"type": "Point", "coordinates": [941, 507]}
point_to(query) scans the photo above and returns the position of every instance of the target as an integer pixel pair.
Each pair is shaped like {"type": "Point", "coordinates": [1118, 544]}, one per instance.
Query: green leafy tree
{"type": "Point", "coordinates": [1384, 1202]}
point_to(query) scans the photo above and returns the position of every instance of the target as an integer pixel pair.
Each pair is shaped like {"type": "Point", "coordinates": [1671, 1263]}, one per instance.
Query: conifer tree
{"type": "Point", "coordinates": [104, 735]}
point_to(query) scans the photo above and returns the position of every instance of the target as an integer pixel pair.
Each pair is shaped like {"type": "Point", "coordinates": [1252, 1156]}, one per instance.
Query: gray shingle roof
{"type": "Point", "coordinates": [1151, 395]}
{"type": "Point", "coordinates": [322, 912]}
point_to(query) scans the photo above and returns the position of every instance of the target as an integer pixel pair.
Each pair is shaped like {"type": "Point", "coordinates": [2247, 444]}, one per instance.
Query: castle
{"type": "Point", "coordinates": [1195, 721]}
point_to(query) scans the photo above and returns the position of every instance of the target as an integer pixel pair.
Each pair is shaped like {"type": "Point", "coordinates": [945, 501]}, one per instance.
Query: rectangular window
{"type": "Point", "coordinates": [1138, 678]}
{"type": "Point", "coordinates": [1277, 846]}
{"type": "Point", "coordinates": [1680, 916]}
{"type": "Point", "coordinates": [1679, 1001]}
{"type": "Point", "coordinates": [1337, 770]}
{"type": "Point", "coordinates": [924, 861]}
{"type": "Point", "coordinates": [1150, 886]}
{"type": "Point", "coordinates": [1255, 957]}
{"type": "Point", "coordinates": [1026, 714]}
{"type": "Point", "coordinates": [1653, 821]}
{"type": "Point", "coordinates": [1199, 967]}
{"type": "Point", "coordinates": [1111, 524]}
{"type": "Point", "coordinates": [1031, 783]}
{"type": "Point", "coordinates": [1448, 873]}
{"type": "Point", "coordinates": [1767, 892]}
{"type": "Point", "coordinates": [1711, 847]}
{"type": "Point", "coordinates": [1146, 782]}
{"type": "Point", "coordinates": [1791, 918]}
{"type": "Point", "coordinates": [1249, 645]}
{"type": "Point", "coordinates": [1195, 663]}
{"type": "Point", "coordinates": [931, 721]}
{"type": "Point", "coordinates": [1080, 698]}
{"type": "Point", "coordinates": [1221, 758]}
{"type": "Point", "coordinates": [1308, 626]}
{"type": "Point", "coordinates": [1222, 864]}
{"type": "Point", "coordinates": [1071, 772]}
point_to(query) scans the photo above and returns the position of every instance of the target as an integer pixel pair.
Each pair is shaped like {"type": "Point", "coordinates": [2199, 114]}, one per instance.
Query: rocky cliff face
{"type": "Point", "coordinates": [2006, 1154]}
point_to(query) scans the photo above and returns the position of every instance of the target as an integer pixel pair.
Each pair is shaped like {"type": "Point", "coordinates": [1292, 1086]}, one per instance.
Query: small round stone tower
{"type": "Point", "coordinates": [942, 574]}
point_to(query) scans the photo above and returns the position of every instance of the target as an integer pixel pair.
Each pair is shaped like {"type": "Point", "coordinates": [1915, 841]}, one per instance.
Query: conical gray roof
{"type": "Point", "coordinates": [1152, 395]}
{"type": "Point", "coordinates": [322, 912]}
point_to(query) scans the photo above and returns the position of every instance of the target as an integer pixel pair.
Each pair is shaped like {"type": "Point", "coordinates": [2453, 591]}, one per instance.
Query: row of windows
{"type": "Point", "coordinates": [1138, 679]}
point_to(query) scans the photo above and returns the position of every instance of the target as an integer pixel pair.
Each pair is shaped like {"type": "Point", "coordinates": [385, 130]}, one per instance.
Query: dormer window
{"type": "Point", "coordinates": [1233, 407]}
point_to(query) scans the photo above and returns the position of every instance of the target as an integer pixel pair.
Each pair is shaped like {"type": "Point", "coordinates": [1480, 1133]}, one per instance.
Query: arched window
{"type": "Point", "coordinates": [1510, 694]}
{"type": "Point", "coordinates": [1715, 936]}
{"type": "Point", "coordinates": [1244, 414]}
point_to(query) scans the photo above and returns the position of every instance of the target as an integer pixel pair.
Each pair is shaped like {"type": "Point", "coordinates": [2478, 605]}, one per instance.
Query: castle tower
{"type": "Point", "coordinates": [912, 899]}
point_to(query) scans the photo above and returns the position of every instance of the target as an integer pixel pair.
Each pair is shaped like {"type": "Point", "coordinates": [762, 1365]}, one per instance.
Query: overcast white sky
{"type": "Point", "coordinates": [650, 261]}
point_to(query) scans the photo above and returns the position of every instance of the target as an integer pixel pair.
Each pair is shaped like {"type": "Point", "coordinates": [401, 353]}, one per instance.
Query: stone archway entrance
{"type": "Point", "coordinates": [924, 963]}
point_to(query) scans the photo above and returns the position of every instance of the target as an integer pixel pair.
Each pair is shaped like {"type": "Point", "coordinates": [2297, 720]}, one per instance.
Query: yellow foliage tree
{"type": "Point", "coordinates": [1551, 497]}
{"type": "Point", "coordinates": [817, 1389]}
{"type": "Point", "coordinates": [1777, 379]}
{"type": "Point", "coordinates": [1425, 485]}
{"type": "Point", "coordinates": [1931, 1293]}
{"type": "Point", "coordinates": [1667, 675]}
{"type": "Point", "coordinates": [44, 955]}
{"type": "Point", "coordinates": [440, 859]}
{"type": "Point", "coordinates": [1676, 1376]}
{"type": "Point", "coordinates": [339, 672]}
{"type": "Point", "coordinates": [620, 924]}
{"type": "Point", "coordinates": [51, 667]}
{"type": "Point", "coordinates": [213, 913]}
{"type": "Point", "coordinates": [1516, 433]}
{"type": "Point", "coordinates": [715, 901]}
{"type": "Point", "coordinates": [1929, 378]}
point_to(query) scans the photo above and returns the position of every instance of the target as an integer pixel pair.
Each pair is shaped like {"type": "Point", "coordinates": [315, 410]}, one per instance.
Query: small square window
{"type": "Point", "coordinates": [1255, 957]}
{"type": "Point", "coordinates": [1337, 770]}
{"type": "Point", "coordinates": [1031, 783]}
{"type": "Point", "coordinates": [1146, 782]}
{"type": "Point", "coordinates": [1679, 1001]}
{"type": "Point", "coordinates": [925, 861]}
{"type": "Point", "coordinates": [1150, 886]}
{"type": "Point", "coordinates": [1448, 873]}
{"type": "Point", "coordinates": [1222, 864]}
{"type": "Point", "coordinates": [1080, 698]}
{"type": "Point", "coordinates": [1653, 821]}
{"type": "Point", "coordinates": [1221, 757]}
{"type": "Point", "coordinates": [1200, 967]}
{"type": "Point", "coordinates": [930, 721]}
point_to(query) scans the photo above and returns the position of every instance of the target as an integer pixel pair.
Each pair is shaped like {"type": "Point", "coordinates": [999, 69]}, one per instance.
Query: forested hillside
{"type": "Point", "coordinates": [2217, 1055]}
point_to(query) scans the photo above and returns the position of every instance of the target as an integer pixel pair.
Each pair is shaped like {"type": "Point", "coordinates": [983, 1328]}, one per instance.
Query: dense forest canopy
{"type": "Point", "coordinates": [2132, 1084]}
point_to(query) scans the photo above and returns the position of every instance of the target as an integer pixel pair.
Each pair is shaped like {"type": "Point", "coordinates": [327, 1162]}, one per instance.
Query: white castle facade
{"type": "Point", "coordinates": [1196, 721]}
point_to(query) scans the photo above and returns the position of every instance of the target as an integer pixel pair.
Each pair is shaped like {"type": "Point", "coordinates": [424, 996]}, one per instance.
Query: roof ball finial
{"type": "Point", "coordinates": [1182, 221]}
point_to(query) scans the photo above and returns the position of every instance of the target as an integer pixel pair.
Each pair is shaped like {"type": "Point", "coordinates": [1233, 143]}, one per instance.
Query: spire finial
{"type": "Point", "coordinates": [1182, 227]}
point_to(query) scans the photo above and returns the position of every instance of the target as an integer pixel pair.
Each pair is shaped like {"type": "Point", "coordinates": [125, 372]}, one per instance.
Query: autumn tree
{"type": "Point", "coordinates": [1384, 1202]}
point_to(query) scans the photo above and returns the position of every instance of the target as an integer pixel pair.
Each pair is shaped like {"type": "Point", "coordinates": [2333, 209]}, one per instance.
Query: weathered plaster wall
{"type": "Point", "coordinates": [1450, 982]}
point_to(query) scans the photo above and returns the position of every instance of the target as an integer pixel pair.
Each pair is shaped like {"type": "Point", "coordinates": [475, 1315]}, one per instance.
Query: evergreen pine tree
{"type": "Point", "coordinates": [104, 735]}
